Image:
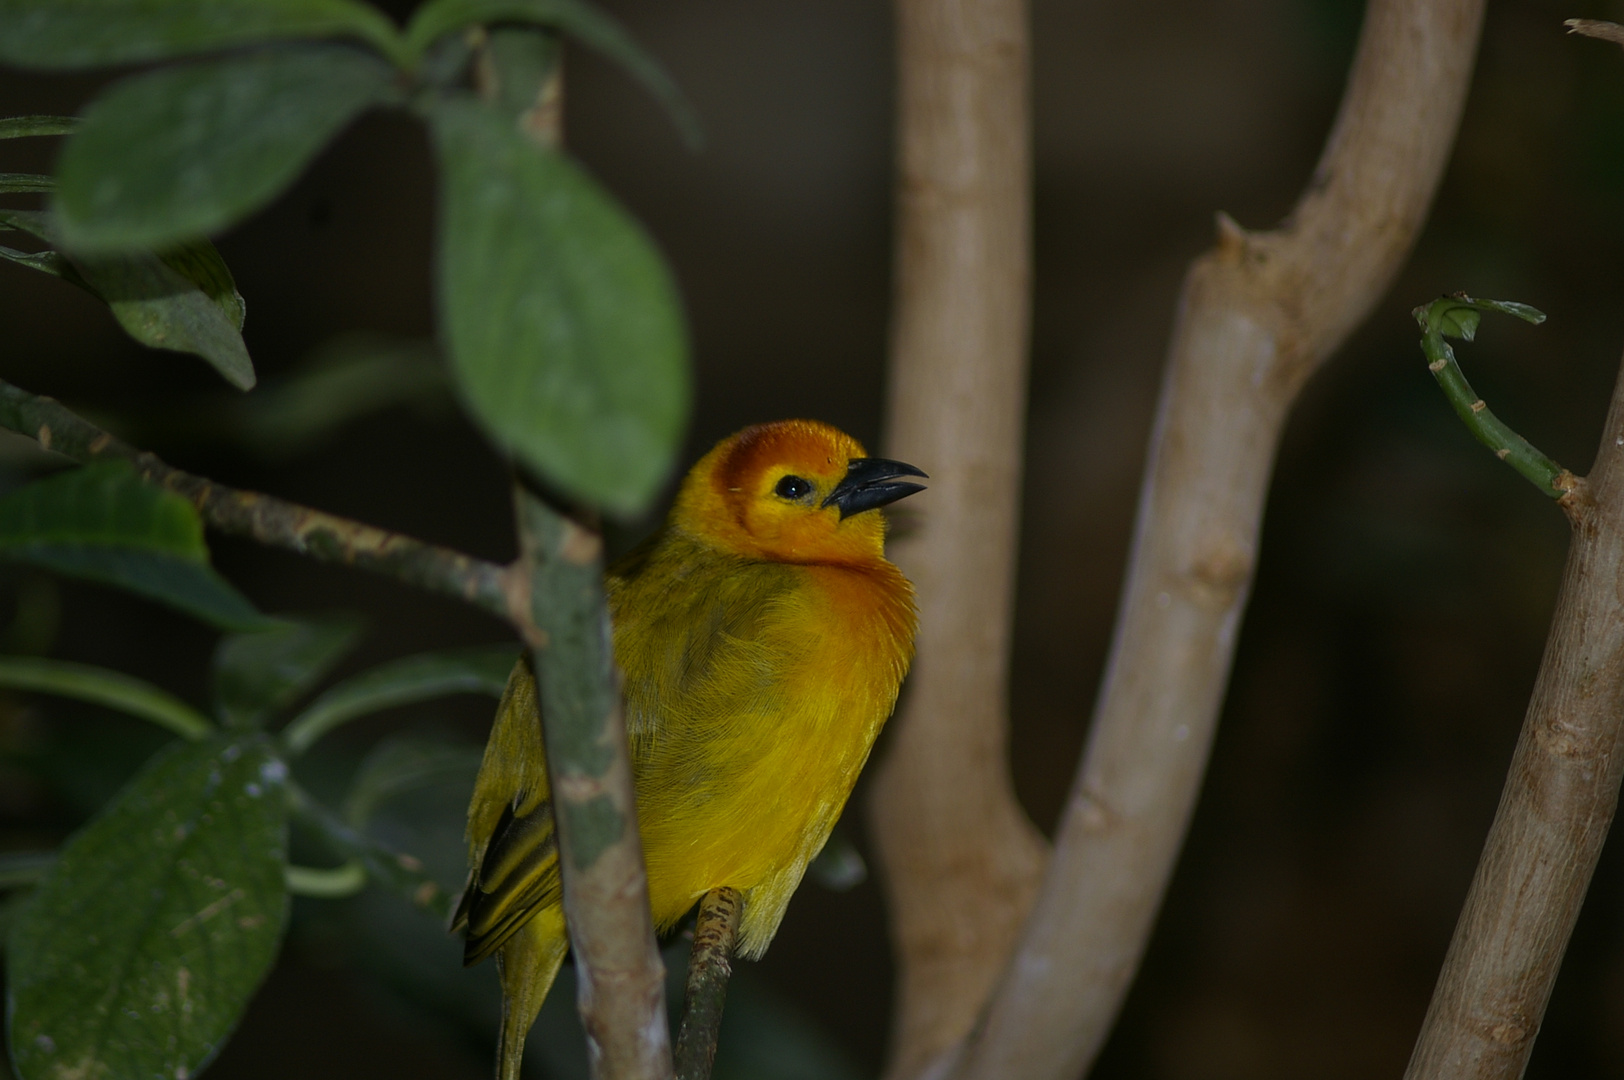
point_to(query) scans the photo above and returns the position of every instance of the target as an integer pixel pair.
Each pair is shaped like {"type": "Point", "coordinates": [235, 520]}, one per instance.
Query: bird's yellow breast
{"type": "Point", "coordinates": [754, 692]}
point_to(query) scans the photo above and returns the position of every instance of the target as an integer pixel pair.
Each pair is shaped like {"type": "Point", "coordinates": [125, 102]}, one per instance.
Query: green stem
{"type": "Point", "coordinates": [1457, 316]}
{"type": "Point", "coordinates": [402, 873]}
{"type": "Point", "coordinates": [268, 520]}
{"type": "Point", "coordinates": [482, 669]}
{"type": "Point", "coordinates": [17, 182]}
{"type": "Point", "coordinates": [327, 884]}
{"type": "Point", "coordinates": [102, 687]}
{"type": "Point", "coordinates": [17, 127]}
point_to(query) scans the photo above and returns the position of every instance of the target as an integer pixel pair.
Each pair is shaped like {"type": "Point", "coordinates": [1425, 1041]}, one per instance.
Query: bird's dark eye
{"type": "Point", "coordinates": [793, 487]}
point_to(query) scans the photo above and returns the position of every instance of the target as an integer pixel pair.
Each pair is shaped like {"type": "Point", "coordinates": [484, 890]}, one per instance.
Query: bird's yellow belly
{"type": "Point", "coordinates": [747, 799]}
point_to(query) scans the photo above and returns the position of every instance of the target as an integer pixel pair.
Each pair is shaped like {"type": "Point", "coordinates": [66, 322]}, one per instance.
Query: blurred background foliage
{"type": "Point", "coordinates": [1402, 600]}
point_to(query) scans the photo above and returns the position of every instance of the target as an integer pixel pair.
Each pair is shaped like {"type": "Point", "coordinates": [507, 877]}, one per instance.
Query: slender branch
{"type": "Point", "coordinates": [1596, 28]}
{"type": "Point", "coordinates": [958, 858]}
{"type": "Point", "coordinates": [1457, 316]}
{"type": "Point", "coordinates": [264, 518]}
{"type": "Point", "coordinates": [394, 870]}
{"type": "Point", "coordinates": [565, 622]}
{"type": "Point", "coordinates": [1258, 315]}
{"type": "Point", "coordinates": [709, 967]}
{"type": "Point", "coordinates": [1555, 811]}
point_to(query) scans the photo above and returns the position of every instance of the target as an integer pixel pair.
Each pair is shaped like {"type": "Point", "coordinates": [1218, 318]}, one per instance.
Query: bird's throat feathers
{"type": "Point", "coordinates": [743, 497]}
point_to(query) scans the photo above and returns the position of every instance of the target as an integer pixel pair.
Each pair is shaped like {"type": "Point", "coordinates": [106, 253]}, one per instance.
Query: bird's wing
{"type": "Point", "coordinates": [513, 852]}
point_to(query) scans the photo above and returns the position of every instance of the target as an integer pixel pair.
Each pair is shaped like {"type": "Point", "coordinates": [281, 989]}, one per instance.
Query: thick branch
{"type": "Point", "coordinates": [1258, 315]}
{"type": "Point", "coordinates": [958, 858]}
{"type": "Point", "coordinates": [271, 521]}
{"type": "Point", "coordinates": [710, 965]}
{"type": "Point", "coordinates": [566, 625]}
{"type": "Point", "coordinates": [1554, 813]}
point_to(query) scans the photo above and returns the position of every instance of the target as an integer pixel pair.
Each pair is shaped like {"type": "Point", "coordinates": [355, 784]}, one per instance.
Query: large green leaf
{"type": "Point", "coordinates": [142, 946]}
{"type": "Point", "coordinates": [178, 301]}
{"type": "Point", "coordinates": [255, 674]}
{"type": "Point", "coordinates": [479, 670]}
{"type": "Point", "coordinates": [581, 20]}
{"type": "Point", "coordinates": [104, 523]}
{"type": "Point", "coordinates": [565, 330]}
{"type": "Point", "coordinates": [172, 154]}
{"type": "Point", "coordinates": [98, 33]}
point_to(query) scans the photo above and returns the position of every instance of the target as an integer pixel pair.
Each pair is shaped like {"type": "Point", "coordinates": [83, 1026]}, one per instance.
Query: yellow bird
{"type": "Point", "coordinates": [763, 637]}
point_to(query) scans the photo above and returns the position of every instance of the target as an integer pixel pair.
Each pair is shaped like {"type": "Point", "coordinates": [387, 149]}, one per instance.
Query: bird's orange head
{"type": "Point", "coordinates": [792, 491]}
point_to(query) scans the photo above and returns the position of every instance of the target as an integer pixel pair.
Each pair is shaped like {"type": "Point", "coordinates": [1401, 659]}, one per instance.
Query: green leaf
{"type": "Point", "coordinates": [401, 765]}
{"type": "Point", "coordinates": [24, 183]}
{"type": "Point", "coordinates": [104, 523]}
{"type": "Point", "coordinates": [583, 21]}
{"type": "Point", "coordinates": [157, 304]}
{"type": "Point", "coordinates": [113, 689]}
{"type": "Point", "coordinates": [1458, 315]}
{"type": "Point", "coordinates": [479, 670]}
{"type": "Point", "coordinates": [344, 379]}
{"type": "Point", "coordinates": [256, 674]}
{"type": "Point", "coordinates": [201, 264]}
{"type": "Point", "coordinates": [47, 262]}
{"type": "Point", "coordinates": [565, 330]}
{"type": "Point", "coordinates": [60, 34]}
{"type": "Point", "coordinates": [167, 156]}
{"type": "Point", "coordinates": [17, 127]}
{"type": "Point", "coordinates": [144, 943]}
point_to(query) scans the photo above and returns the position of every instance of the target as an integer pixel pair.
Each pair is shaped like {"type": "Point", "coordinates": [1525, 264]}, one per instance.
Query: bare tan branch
{"type": "Point", "coordinates": [1258, 315]}
{"type": "Point", "coordinates": [957, 856]}
{"type": "Point", "coordinates": [1555, 811]}
{"type": "Point", "coordinates": [1606, 31]}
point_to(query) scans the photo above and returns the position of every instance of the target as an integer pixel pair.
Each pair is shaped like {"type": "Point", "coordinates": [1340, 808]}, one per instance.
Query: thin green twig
{"type": "Point", "coordinates": [394, 870]}
{"type": "Point", "coordinates": [1458, 315]}
{"type": "Point", "coordinates": [327, 884]}
{"type": "Point", "coordinates": [113, 689]}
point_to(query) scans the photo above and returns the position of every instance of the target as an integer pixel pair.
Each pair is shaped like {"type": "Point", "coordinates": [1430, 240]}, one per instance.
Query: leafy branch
{"type": "Point", "coordinates": [265, 518]}
{"type": "Point", "coordinates": [1457, 316]}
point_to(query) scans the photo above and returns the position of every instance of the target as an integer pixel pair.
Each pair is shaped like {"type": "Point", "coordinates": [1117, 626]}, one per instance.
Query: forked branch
{"type": "Point", "coordinates": [1258, 315]}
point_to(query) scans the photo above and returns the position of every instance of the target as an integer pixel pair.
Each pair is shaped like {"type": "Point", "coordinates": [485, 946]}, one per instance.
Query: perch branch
{"type": "Point", "coordinates": [1555, 810]}
{"type": "Point", "coordinates": [709, 967]}
{"type": "Point", "coordinates": [1257, 316]}
{"type": "Point", "coordinates": [621, 994]}
{"type": "Point", "coordinates": [956, 854]}
{"type": "Point", "coordinates": [264, 518]}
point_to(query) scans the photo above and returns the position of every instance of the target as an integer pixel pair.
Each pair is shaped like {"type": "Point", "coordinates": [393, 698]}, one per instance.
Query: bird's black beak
{"type": "Point", "coordinates": [871, 482]}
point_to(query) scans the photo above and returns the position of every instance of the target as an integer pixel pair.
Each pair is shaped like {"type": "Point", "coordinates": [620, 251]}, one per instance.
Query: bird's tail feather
{"type": "Point", "coordinates": [527, 965]}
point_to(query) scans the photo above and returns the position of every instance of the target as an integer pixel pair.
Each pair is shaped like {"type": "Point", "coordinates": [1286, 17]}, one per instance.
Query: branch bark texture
{"type": "Point", "coordinates": [958, 858]}
{"type": "Point", "coordinates": [1555, 810]}
{"type": "Point", "coordinates": [621, 978]}
{"type": "Point", "coordinates": [1257, 316]}
{"type": "Point", "coordinates": [268, 520]}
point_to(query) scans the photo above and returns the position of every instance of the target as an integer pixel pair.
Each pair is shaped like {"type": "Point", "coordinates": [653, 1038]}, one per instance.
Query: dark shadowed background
{"type": "Point", "coordinates": [1406, 577]}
